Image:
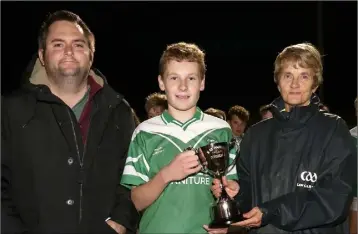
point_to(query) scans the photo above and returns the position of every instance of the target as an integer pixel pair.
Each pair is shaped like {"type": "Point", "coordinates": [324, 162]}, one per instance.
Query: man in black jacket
{"type": "Point", "coordinates": [65, 135]}
{"type": "Point", "coordinates": [297, 169]}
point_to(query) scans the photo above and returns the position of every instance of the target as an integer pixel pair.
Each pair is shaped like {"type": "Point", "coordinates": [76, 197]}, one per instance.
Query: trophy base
{"type": "Point", "coordinates": [224, 223]}
{"type": "Point", "coordinates": [225, 213]}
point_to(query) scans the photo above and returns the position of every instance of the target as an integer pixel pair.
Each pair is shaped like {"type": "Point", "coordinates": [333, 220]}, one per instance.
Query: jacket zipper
{"type": "Point", "coordinates": [80, 160]}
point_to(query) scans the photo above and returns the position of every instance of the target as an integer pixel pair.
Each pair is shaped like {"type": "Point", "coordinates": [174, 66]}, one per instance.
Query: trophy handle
{"type": "Point", "coordinates": [204, 168]}
{"type": "Point", "coordinates": [232, 144]}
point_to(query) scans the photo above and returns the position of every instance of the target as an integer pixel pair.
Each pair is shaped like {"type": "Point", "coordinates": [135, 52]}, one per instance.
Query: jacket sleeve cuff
{"type": "Point", "coordinates": [267, 215]}
{"type": "Point", "coordinates": [127, 216]}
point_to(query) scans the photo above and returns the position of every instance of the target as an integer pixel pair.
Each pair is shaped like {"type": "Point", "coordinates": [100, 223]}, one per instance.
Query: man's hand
{"type": "Point", "coordinates": [117, 227]}
{"type": "Point", "coordinates": [184, 164]}
{"type": "Point", "coordinates": [253, 218]}
{"type": "Point", "coordinates": [215, 230]}
{"type": "Point", "coordinates": [231, 187]}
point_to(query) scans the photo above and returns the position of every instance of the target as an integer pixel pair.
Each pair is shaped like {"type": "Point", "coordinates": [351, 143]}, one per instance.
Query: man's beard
{"type": "Point", "coordinates": [68, 72]}
{"type": "Point", "coordinates": [63, 76]}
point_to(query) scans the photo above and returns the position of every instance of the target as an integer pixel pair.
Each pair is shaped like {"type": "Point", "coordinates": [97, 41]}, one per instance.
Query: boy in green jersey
{"type": "Point", "coordinates": [165, 179]}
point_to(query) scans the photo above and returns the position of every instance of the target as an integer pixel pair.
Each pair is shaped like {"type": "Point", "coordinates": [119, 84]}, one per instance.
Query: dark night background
{"type": "Point", "coordinates": [241, 40]}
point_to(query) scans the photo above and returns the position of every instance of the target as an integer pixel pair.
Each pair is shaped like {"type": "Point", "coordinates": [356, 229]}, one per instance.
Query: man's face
{"type": "Point", "coordinates": [237, 125]}
{"type": "Point", "coordinates": [67, 52]}
{"type": "Point", "coordinates": [182, 84]}
{"type": "Point", "coordinates": [155, 111]}
{"type": "Point", "coordinates": [296, 85]}
{"type": "Point", "coordinates": [266, 115]}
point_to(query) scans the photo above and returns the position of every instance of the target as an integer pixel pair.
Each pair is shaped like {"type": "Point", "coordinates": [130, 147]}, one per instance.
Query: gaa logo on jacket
{"type": "Point", "coordinates": [307, 179]}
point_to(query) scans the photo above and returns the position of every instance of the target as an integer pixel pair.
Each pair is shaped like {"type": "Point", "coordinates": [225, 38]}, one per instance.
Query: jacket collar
{"type": "Point", "coordinates": [39, 77]}
{"type": "Point", "coordinates": [37, 82]}
{"type": "Point", "coordinates": [298, 115]}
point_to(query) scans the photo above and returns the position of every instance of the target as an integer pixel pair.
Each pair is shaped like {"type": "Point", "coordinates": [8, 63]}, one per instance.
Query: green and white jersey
{"type": "Point", "coordinates": [183, 206]}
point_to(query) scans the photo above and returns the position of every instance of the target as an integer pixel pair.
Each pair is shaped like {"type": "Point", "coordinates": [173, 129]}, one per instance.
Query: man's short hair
{"type": "Point", "coordinates": [240, 112]}
{"type": "Point", "coordinates": [264, 109]}
{"type": "Point", "coordinates": [305, 55]}
{"type": "Point", "coordinates": [216, 112]}
{"type": "Point", "coordinates": [182, 51]}
{"type": "Point", "coordinates": [63, 15]}
{"type": "Point", "coordinates": [156, 99]}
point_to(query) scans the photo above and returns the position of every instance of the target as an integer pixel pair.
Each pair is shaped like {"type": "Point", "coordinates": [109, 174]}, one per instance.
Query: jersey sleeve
{"type": "Point", "coordinates": [136, 169]}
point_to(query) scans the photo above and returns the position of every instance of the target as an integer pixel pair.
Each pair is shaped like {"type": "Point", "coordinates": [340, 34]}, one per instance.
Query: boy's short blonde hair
{"type": "Point", "coordinates": [182, 51]}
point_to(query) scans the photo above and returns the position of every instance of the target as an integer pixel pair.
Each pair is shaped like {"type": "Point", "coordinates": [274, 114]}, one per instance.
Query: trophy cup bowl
{"type": "Point", "coordinates": [214, 159]}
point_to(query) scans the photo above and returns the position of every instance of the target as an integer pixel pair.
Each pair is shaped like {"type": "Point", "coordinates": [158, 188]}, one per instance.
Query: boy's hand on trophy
{"type": "Point", "coordinates": [231, 187]}
{"type": "Point", "coordinates": [183, 165]}
{"type": "Point", "coordinates": [216, 188]}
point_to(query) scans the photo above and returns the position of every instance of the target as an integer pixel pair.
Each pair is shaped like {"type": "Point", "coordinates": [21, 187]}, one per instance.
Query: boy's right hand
{"type": "Point", "coordinates": [184, 164]}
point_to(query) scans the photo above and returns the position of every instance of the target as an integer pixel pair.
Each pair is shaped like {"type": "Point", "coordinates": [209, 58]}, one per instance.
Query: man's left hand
{"type": "Point", "coordinates": [117, 227]}
{"type": "Point", "coordinates": [253, 218]}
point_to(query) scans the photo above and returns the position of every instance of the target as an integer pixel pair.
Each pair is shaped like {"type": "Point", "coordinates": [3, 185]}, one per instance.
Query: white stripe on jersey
{"type": "Point", "coordinates": [202, 137]}
{"type": "Point", "coordinates": [134, 160]}
{"type": "Point", "coordinates": [231, 170]}
{"type": "Point", "coordinates": [170, 140]}
{"type": "Point", "coordinates": [130, 170]}
{"type": "Point", "coordinates": [195, 128]}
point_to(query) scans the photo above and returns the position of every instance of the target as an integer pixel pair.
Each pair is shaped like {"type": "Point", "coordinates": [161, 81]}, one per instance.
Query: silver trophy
{"type": "Point", "coordinates": [214, 159]}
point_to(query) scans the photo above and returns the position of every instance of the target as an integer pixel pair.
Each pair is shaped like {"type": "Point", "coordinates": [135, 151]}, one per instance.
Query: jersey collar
{"type": "Point", "coordinates": [167, 118]}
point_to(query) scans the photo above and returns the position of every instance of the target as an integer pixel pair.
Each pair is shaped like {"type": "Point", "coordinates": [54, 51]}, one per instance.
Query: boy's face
{"type": "Point", "coordinates": [182, 84]}
{"type": "Point", "coordinates": [237, 125]}
{"type": "Point", "coordinates": [296, 85]}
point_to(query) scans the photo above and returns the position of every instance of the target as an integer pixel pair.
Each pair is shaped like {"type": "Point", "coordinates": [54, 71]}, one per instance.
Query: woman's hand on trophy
{"type": "Point", "coordinates": [231, 187]}
{"type": "Point", "coordinates": [215, 230]}
{"type": "Point", "coordinates": [184, 164]}
{"type": "Point", "coordinates": [253, 218]}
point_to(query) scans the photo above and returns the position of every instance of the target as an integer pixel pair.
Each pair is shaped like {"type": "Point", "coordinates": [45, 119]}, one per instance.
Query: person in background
{"type": "Point", "coordinates": [155, 104]}
{"type": "Point", "coordinates": [238, 118]}
{"type": "Point", "coordinates": [216, 112]}
{"type": "Point", "coordinates": [265, 112]}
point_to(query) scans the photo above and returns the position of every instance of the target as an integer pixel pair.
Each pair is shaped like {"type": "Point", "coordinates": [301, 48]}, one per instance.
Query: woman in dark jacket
{"type": "Point", "coordinates": [297, 169]}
